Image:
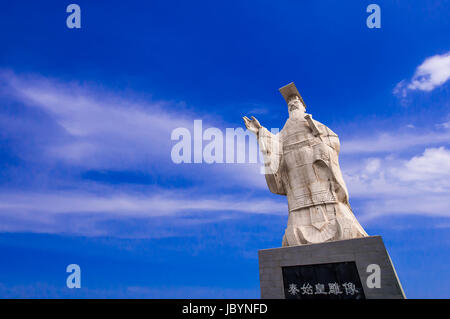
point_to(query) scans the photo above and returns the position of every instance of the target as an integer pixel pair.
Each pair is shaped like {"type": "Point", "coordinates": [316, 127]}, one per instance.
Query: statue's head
{"type": "Point", "coordinates": [295, 104]}
{"type": "Point", "coordinates": [293, 99]}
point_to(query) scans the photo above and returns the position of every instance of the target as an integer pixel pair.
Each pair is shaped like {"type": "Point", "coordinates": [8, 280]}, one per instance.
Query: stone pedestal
{"type": "Point", "coordinates": [348, 269]}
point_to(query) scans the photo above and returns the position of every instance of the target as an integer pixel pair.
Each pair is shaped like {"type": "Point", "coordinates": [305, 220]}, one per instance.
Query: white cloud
{"type": "Point", "coordinates": [102, 131]}
{"type": "Point", "coordinates": [110, 131]}
{"type": "Point", "coordinates": [81, 212]}
{"type": "Point", "coordinates": [44, 290]}
{"type": "Point", "coordinates": [445, 125]}
{"type": "Point", "coordinates": [387, 142]}
{"type": "Point", "coordinates": [433, 164]}
{"type": "Point", "coordinates": [165, 203]}
{"type": "Point", "coordinates": [395, 186]}
{"type": "Point", "coordinates": [373, 165]}
{"type": "Point", "coordinates": [432, 73]}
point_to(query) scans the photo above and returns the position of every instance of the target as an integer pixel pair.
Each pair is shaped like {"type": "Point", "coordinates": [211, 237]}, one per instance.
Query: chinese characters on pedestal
{"type": "Point", "coordinates": [334, 288]}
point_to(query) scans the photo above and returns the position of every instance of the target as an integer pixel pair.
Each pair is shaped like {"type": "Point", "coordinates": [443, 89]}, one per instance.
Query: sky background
{"type": "Point", "coordinates": [86, 116]}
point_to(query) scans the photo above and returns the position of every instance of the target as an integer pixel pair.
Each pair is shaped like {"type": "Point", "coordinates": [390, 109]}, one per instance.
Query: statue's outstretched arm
{"type": "Point", "coordinates": [270, 147]}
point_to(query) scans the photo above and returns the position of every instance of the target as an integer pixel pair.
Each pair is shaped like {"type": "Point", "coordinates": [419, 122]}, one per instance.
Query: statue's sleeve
{"type": "Point", "coordinates": [271, 148]}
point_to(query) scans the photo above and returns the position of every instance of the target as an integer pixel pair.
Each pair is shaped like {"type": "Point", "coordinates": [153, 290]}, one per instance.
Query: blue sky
{"type": "Point", "coordinates": [86, 117]}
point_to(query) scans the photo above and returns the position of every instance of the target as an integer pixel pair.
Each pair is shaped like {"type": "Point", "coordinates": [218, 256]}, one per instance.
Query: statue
{"type": "Point", "coordinates": [301, 162]}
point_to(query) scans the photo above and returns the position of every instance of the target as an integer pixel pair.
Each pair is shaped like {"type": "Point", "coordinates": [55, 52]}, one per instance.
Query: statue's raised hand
{"type": "Point", "coordinates": [252, 125]}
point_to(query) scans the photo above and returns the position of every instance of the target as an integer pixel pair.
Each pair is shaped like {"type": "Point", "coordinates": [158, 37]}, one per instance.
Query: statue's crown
{"type": "Point", "coordinates": [289, 91]}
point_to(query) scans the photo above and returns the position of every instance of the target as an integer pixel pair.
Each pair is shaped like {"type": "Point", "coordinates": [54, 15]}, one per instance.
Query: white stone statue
{"type": "Point", "coordinates": [301, 162]}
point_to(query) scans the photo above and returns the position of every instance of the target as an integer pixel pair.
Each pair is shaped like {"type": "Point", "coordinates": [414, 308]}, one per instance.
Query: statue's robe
{"type": "Point", "coordinates": [302, 163]}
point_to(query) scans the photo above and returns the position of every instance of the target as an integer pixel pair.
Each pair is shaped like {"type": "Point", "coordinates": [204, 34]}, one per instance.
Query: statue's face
{"type": "Point", "coordinates": [295, 104]}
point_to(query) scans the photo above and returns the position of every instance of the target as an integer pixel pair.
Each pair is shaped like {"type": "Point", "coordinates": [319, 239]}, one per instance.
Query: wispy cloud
{"type": "Point", "coordinates": [103, 130]}
{"type": "Point", "coordinates": [82, 213]}
{"type": "Point", "coordinates": [432, 73]}
{"type": "Point", "coordinates": [391, 185]}
{"type": "Point", "coordinates": [394, 141]}
{"type": "Point", "coordinates": [47, 291]}
{"type": "Point", "coordinates": [100, 130]}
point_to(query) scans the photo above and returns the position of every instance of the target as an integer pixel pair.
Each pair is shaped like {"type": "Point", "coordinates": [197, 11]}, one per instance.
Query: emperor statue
{"type": "Point", "coordinates": [301, 162]}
